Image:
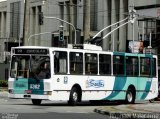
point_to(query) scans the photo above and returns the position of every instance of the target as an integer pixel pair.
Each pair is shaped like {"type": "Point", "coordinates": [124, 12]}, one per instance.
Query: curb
{"type": "Point", "coordinates": [127, 115]}
{"type": "Point", "coordinates": [3, 89]}
{"type": "Point", "coordinates": [120, 115]}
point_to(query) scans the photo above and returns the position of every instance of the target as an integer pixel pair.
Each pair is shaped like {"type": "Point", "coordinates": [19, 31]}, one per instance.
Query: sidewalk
{"type": "Point", "coordinates": [138, 110]}
{"type": "Point", "coordinates": [3, 89]}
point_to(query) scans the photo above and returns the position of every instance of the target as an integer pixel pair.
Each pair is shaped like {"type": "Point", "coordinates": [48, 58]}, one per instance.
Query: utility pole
{"type": "Point", "coordinates": [86, 23]}
{"type": "Point", "coordinates": [26, 23]}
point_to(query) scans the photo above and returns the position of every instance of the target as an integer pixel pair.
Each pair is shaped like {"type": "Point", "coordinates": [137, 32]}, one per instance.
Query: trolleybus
{"type": "Point", "coordinates": [83, 73]}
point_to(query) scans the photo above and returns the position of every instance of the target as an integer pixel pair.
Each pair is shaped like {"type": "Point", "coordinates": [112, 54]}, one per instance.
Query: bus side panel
{"type": "Point", "coordinates": [97, 87]}
{"type": "Point", "coordinates": [93, 87]}
{"type": "Point", "coordinates": [117, 91]}
{"type": "Point", "coordinates": [153, 90]}
{"type": "Point", "coordinates": [147, 88]}
{"type": "Point", "coordinates": [104, 87]}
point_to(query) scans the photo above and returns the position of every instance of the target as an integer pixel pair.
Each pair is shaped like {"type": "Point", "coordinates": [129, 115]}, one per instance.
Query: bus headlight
{"type": "Point", "coordinates": [47, 93]}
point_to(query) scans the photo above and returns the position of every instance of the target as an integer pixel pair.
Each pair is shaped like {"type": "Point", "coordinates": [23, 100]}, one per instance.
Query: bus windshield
{"type": "Point", "coordinates": [37, 67]}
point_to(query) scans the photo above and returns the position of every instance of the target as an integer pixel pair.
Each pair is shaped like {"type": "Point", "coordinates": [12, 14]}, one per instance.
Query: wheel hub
{"type": "Point", "coordinates": [75, 96]}
{"type": "Point", "coordinates": [129, 97]}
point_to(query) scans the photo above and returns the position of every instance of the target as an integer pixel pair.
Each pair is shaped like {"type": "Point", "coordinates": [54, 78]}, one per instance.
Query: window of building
{"type": "Point", "coordinates": [61, 9]}
{"type": "Point", "coordinates": [132, 66]}
{"type": "Point", "coordinates": [60, 62]}
{"type": "Point", "coordinates": [118, 65]}
{"type": "Point", "coordinates": [76, 63]}
{"type": "Point", "coordinates": [15, 19]}
{"type": "Point", "coordinates": [145, 66]}
{"type": "Point", "coordinates": [93, 15]}
{"type": "Point", "coordinates": [91, 64]}
{"type": "Point", "coordinates": [104, 64]}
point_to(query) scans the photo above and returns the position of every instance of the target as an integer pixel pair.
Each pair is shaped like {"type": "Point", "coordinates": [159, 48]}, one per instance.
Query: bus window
{"type": "Point", "coordinates": [60, 62]}
{"type": "Point", "coordinates": [20, 66]}
{"type": "Point", "coordinates": [154, 73]}
{"type": "Point", "coordinates": [105, 64]}
{"type": "Point", "coordinates": [118, 65]}
{"type": "Point", "coordinates": [40, 66]}
{"type": "Point", "coordinates": [132, 66]}
{"type": "Point", "coordinates": [91, 65]}
{"type": "Point", "coordinates": [145, 67]}
{"type": "Point", "coordinates": [76, 63]}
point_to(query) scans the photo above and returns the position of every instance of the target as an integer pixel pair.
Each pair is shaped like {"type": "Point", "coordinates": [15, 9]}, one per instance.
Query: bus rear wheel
{"type": "Point", "coordinates": [130, 96]}
{"type": "Point", "coordinates": [74, 97]}
{"type": "Point", "coordinates": [36, 101]}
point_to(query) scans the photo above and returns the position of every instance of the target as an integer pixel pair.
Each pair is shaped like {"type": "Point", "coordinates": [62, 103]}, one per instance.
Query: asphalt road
{"type": "Point", "coordinates": [23, 109]}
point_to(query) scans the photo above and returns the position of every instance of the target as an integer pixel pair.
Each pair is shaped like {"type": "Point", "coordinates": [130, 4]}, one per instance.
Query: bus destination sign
{"type": "Point", "coordinates": [31, 51]}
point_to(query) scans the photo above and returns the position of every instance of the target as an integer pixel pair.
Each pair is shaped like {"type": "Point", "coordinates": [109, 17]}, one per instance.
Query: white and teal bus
{"type": "Point", "coordinates": [81, 74]}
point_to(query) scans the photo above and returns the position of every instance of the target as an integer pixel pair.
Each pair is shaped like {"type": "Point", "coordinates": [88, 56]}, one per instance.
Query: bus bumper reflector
{"type": "Point", "coordinates": [47, 92]}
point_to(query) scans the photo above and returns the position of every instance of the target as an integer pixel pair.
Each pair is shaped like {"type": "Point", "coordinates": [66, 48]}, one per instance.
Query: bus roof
{"type": "Point", "coordinates": [87, 47]}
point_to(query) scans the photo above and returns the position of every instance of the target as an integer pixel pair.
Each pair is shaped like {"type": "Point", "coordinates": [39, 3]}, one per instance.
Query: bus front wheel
{"type": "Point", "coordinates": [130, 96]}
{"type": "Point", "coordinates": [36, 101]}
{"type": "Point", "coordinates": [74, 97]}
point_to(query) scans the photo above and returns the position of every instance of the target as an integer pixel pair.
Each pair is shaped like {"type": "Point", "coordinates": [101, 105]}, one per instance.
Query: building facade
{"type": "Point", "coordinates": [102, 14]}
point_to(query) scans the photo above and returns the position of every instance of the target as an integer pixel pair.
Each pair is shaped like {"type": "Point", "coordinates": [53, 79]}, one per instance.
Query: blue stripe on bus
{"type": "Point", "coordinates": [147, 89]}
{"type": "Point", "coordinates": [118, 85]}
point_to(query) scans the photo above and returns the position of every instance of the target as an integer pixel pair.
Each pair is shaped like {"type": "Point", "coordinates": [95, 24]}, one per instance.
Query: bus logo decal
{"type": "Point", "coordinates": [65, 80]}
{"type": "Point", "coordinates": [94, 83]}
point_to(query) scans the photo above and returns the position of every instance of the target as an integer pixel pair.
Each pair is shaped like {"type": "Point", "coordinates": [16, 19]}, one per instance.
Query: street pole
{"type": "Point", "coordinates": [66, 23]}
{"type": "Point", "coordinates": [37, 35]}
{"type": "Point", "coordinates": [19, 40]}
{"type": "Point", "coordinates": [86, 19]}
{"type": "Point", "coordinates": [150, 40]}
{"type": "Point", "coordinates": [143, 32]}
{"type": "Point", "coordinates": [133, 36]}
{"type": "Point", "coordinates": [113, 42]}
{"type": "Point", "coordinates": [26, 23]}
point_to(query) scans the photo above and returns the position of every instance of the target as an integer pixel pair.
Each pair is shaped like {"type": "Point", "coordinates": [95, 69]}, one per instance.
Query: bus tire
{"type": "Point", "coordinates": [130, 96]}
{"type": "Point", "coordinates": [36, 101]}
{"type": "Point", "coordinates": [151, 100]}
{"type": "Point", "coordinates": [74, 97]}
